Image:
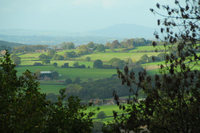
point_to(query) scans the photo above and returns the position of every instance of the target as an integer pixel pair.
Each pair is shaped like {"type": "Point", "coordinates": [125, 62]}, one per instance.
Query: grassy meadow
{"type": "Point", "coordinates": [72, 73]}
{"type": "Point", "coordinates": [148, 49]}
{"type": "Point", "coordinates": [88, 73]}
{"type": "Point", "coordinates": [28, 59]}
{"type": "Point", "coordinates": [108, 56]}
{"type": "Point", "coordinates": [107, 109]}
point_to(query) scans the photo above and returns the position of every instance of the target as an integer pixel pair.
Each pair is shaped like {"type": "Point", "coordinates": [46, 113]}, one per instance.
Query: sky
{"type": "Point", "coordinates": [74, 15]}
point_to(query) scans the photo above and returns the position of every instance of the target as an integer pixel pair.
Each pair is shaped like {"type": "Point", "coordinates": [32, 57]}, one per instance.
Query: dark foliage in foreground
{"type": "Point", "coordinates": [172, 104]}
{"type": "Point", "coordinates": [24, 109]}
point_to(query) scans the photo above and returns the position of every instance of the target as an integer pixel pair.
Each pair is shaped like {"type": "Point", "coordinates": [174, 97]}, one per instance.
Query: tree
{"type": "Point", "coordinates": [76, 65]}
{"type": "Point", "coordinates": [51, 53]}
{"type": "Point", "coordinates": [173, 96]}
{"type": "Point", "coordinates": [58, 57]}
{"type": "Point", "coordinates": [88, 59]}
{"type": "Point", "coordinates": [55, 64]}
{"type": "Point", "coordinates": [83, 50]}
{"type": "Point", "coordinates": [66, 65]}
{"type": "Point", "coordinates": [68, 55]}
{"type": "Point", "coordinates": [46, 61]}
{"type": "Point", "coordinates": [44, 58]}
{"type": "Point", "coordinates": [98, 64]}
{"type": "Point", "coordinates": [144, 59]}
{"type": "Point", "coordinates": [37, 64]}
{"type": "Point", "coordinates": [117, 63]}
{"type": "Point", "coordinates": [128, 43]}
{"type": "Point", "coordinates": [73, 89]}
{"type": "Point", "coordinates": [101, 115]}
{"type": "Point", "coordinates": [100, 48]}
{"type": "Point", "coordinates": [115, 44]}
{"type": "Point", "coordinates": [16, 60]}
{"type": "Point", "coordinates": [55, 75]}
{"type": "Point", "coordinates": [77, 80]}
{"type": "Point", "coordinates": [67, 45]}
{"type": "Point", "coordinates": [24, 109]}
{"type": "Point", "coordinates": [68, 81]}
{"type": "Point", "coordinates": [91, 45]}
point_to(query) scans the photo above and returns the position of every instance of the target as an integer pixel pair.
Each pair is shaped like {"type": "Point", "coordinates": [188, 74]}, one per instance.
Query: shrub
{"type": "Point", "coordinates": [37, 64]}
{"type": "Point", "coordinates": [101, 115]}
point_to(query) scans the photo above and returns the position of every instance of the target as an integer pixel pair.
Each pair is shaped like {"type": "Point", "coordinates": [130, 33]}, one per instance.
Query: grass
{"type": "Point", "coordinates": [51, 88]}
{"type": "Point", "coordinates": [116, 50]}
{"type": "Point", "coordinates": [31, 55]}
{"type": "Point", "coordinates": [152, 65]}
{"type": "Point", "coordinates": [147, 48]}
{"type": "Point", "coordinates": [72, 73]}
{"type": "Point", "coordinates": [107, 109]}
{"type": "Point", "coordinates": [108, 56]}
{"type": "Point", "coordinates": [29, 59]}
{"type": "Point", "coordinates": [29, 62]}
{"type": "Point", "coordinates": [64, 51]}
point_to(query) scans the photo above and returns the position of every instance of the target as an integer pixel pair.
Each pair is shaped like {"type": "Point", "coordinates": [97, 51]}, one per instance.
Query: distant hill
{"type": "Point", "coordinates": [115, 32]}
{"type": "Point", "coordinates": [52, 40]}
{"type": "Point", "coordinates": [125, 31]}
{"type": "Point", "coordinates": [8, 45]}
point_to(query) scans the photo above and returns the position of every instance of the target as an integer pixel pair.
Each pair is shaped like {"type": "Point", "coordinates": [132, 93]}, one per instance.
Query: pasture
{"type": "Point", "coordinates": [107, 109]}
{"type": "Point", "coordinates": [83, 73]}
{"type": "Point", "coordinates": [108, 56]}
{"type": "Point", "coordinates": [28, 59]}
{"type": "Point", "coordinates": [147, 49]}
{"type": "Point", "coordinates": [50, 88]}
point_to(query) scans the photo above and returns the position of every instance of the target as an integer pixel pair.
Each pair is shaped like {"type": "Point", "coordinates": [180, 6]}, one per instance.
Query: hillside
{"type": "Point", "coordinates": [9, 44]}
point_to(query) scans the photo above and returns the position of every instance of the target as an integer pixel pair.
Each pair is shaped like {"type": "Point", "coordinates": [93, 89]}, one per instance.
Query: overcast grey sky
{"type": "Point", "coordinates": [74, 15]}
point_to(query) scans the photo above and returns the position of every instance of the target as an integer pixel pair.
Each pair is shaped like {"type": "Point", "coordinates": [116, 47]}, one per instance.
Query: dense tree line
{"type": "Point", "coordinates": [129, 43]}
{"type": "Point", "coordinates": [29, 48]}
{"type": "Point", "coordinates": [102, 88]}
{"type": "Point", "coordinates": [97, 89]}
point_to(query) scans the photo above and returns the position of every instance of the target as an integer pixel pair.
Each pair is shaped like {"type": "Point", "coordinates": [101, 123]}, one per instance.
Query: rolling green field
{"type": "Point", "coordinates": [31, 55]}
{"type": "Point", "coordinates": [107, 109]}
{"type": "Point", "coordinates": [29, 59]}
{"type": "Point", "coordinates": [45, 88]}
{"type": "Point", "coordinates": [108, 56]}
{"type": "Point", "coordinates": [147, 49]}
{"type": "Point", "coordinates": [72, 73]}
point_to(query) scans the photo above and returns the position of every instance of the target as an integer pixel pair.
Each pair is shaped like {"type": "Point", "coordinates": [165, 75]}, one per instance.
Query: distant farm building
{"type": "Point", "coordinates": [48, 75]}
{"type": "Point", "coordinates": [40, 51]}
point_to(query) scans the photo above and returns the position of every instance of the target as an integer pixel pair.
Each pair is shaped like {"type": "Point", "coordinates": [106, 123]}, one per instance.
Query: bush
{"type": "Point", "coordinates": [37, 64]}
{"type": "Point", "coordinates": [68, 81]}
{"type": "Point", "coordinates": [101, 115]}
{"type": "Point", "coordinates": [66, 65]}
{"type": "Point", "coordinates": [58, 57]}
{"type": "Point", "coordinates": [55, 64]}
{"type": "Point", "coordinates": [87, 59]}
{"type": "Point", "coordinates": [76, 65]}
{"type": "Point", "coordinates": [98, 64]}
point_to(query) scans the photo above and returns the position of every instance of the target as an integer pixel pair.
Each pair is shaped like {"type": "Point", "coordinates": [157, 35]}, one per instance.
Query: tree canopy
{"type": "Point", "coordinates": [24, 109]}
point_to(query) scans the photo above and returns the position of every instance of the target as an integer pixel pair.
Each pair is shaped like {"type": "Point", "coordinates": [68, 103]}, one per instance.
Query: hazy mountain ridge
{"type": "Point", "coordinates": [52, 40]}
{"type": "Point", "coordinates": [9, 44]}
{"type": "Point", "coordinates": [115, 32]}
